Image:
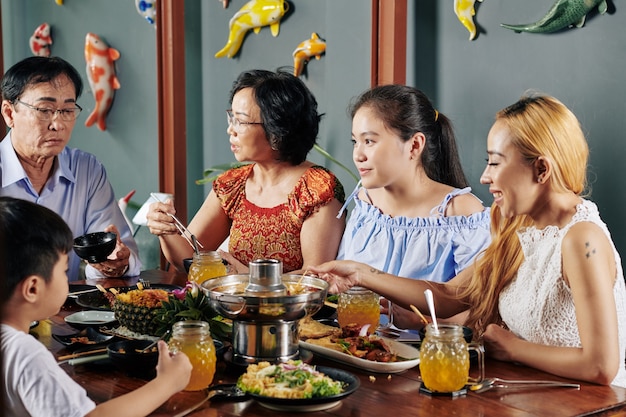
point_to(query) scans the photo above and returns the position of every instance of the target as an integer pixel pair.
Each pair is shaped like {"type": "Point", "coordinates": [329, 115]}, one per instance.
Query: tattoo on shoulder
{"type": "Point", "coordinates": [376, 271]}
{"type": "Point", "coordinates": [589, 250]}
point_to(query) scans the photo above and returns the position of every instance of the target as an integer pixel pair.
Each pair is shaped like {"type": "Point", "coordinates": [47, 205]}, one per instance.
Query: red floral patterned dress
{"type": "Point", "coordinates": [273, 233]}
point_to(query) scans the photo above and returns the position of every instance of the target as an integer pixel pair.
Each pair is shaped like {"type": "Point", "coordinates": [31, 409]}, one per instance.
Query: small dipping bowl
{"type": "Point", "coordinates": [126, 356]}
{"type": "Point", "coordinates": [95, 247]}
{"type": "Point", "coordinates": [187, 264]}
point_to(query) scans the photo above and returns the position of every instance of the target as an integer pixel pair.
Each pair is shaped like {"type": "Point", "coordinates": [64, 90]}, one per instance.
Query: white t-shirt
{"type": "Point", "coordinates": [33, 383]}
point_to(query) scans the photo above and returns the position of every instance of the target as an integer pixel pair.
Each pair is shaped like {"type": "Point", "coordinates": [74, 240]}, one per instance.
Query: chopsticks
{"type": "Point", "coordinates": [81, 354]}
{"type": "Point", "coordinates": [419, 313]}
{"type": "Point", "coordinates": [184, 232]}
{"type": "Point", "coordinates": [75, 293]}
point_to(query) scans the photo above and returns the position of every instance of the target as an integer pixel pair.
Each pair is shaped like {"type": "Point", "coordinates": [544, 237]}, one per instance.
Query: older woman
{"type": "Point", "coordinates": [549, 290]}
{"type": "Point", "coordinates": [280, 206]}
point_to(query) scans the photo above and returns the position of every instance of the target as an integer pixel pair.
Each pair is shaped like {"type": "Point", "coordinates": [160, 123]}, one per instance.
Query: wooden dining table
{"type": "Point", "coordinates": [379, 394]}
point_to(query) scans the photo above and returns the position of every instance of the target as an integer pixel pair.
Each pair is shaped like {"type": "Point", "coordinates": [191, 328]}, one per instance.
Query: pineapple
{"type": "Point", "coordinates": [136, 309]}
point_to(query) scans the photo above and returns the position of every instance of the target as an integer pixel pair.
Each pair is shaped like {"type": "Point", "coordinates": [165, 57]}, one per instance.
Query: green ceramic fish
{"type": "Point", "coordinates": [564, 13]}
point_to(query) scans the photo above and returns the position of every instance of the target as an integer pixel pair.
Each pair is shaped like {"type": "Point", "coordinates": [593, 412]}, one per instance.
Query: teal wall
{"type": "Point", "coordinates": [468, 81]}
{"type": "Point", "coordinates": [583, 67]}
{"type": "Point", "coordinates": [342, 73]}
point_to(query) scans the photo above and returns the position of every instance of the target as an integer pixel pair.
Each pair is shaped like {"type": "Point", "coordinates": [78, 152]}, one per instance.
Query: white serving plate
{"type": "Point", "coordinates": [411, 354]}
{"type": "Point", "coordinates": [91, 318]}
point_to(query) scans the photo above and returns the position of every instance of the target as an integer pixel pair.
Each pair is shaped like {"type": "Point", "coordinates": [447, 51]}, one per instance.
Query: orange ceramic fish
{"type": "Point", "coordinates": [102, 79]}
{"type": "Point", "coordinates": [308, 49]}
{"type": "Point", "coordinates": [41, 40]}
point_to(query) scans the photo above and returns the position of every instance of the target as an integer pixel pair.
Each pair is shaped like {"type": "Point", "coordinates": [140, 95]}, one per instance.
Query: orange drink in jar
{"type": "Point", "coordinates": [359, 306]}
{"type": "Point", "coordinates": [206, 265]}
{"type": "Point", "coordinates": [194, 339]}
{"type": "Point", "coordinates": [444, 358]}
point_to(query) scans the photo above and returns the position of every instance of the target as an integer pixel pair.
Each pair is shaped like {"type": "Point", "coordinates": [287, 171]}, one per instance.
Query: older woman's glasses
{"type": "Point", "coordinates": [236, 123]}
{"type": "Point", "coordinates": [47, 114]}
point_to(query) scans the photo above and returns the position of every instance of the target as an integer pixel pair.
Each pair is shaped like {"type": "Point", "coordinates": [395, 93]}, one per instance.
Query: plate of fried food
{"type": "Point", "coordinates": [368, 352]}
{"type": "Point", "coordinates": [85, 338]}
{"type": "Point", "coordinates": [296, 386]}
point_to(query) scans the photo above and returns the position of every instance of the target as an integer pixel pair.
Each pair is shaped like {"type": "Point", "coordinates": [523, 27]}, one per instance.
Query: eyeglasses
{"type": "Point", "coordinates": [46, 114]}
{"type": "Point", "coordinates": [236, 123]}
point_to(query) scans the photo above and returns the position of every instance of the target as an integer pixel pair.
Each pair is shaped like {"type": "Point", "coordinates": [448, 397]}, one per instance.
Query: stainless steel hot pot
{"type": "Point", "coordinates": [266, 307]}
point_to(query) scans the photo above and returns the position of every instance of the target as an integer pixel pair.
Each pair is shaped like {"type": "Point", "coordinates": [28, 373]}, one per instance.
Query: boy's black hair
{"type": "Point", "coordinates": [32, 238]}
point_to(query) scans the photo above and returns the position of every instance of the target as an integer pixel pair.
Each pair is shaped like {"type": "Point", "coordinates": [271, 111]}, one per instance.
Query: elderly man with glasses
{"type": "Point", "coordinates": [39, 106]}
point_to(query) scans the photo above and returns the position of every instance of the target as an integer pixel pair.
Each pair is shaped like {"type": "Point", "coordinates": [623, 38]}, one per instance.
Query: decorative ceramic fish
{"type": "Point", "coordinates": [562, 14]}
{"type": "Point", "coordinates": [41, 40]}
{"type": "Point", "coordinates": [147, 9]}
{"type": "Point", "coordinates": [465, 11]}
{"type": "Point", "coordinates": [306, 50]}
{"type": "Point", "coordinates": [101, 75]}
{"type": "Point", "coordinates": [123, 204]}
{"type": "Point", "coordinates": [253, 15]}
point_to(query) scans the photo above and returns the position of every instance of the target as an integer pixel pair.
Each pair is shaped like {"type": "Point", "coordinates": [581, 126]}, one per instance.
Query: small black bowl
{"type": "Point", "coordinates": [95, 247]}
{"type": "Point", "coordinates": [187, 264]}
{"type": "Point", "coordinates": [126, 357]}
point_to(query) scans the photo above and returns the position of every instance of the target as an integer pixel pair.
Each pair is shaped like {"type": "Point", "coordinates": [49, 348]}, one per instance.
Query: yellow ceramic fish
{"type": "Point", "coordinates": [253, 15]}
{"type": "Point", "coordinates": [308, 49]}
{"type": "Point", "coordinates": [464, 10]}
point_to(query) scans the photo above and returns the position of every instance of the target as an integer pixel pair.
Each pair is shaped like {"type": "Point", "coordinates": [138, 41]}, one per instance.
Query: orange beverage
{"type": "Point", "coordinates": [206, 265]}
{"type": "Point", "coordinates": [194, 339]}
{"type": "Point", "coordinates": [444, 358]}
{"type": "Point", "coordinates": [359, 306]}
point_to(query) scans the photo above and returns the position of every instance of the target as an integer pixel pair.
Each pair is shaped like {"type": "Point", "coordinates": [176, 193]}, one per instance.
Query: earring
{"type": "Point", "coordinates": [540, 179]}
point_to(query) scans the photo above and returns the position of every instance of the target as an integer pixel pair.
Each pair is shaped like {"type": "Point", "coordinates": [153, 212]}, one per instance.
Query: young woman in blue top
{"type": "Point", "coordinates": [414, 213]}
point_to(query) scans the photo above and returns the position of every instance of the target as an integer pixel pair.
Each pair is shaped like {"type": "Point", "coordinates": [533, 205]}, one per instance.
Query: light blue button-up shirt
{"type": "Point", "coordinates": [79, 191]}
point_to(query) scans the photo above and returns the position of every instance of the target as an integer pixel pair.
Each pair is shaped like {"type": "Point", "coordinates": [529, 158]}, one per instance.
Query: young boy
{"type": "Point", "coordinates": [35, 242]}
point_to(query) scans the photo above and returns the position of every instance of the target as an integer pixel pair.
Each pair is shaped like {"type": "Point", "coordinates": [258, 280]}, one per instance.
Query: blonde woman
{"type": "Point", "coordinates": [549, 290]}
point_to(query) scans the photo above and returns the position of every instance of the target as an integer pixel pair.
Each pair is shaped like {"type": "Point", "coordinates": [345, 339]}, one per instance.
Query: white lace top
{"type": "Point", "coordinates": [538, 306]}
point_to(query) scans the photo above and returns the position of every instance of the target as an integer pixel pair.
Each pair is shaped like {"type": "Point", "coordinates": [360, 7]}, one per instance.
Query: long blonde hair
{"type": "Point", "coordinates": [538, 125]}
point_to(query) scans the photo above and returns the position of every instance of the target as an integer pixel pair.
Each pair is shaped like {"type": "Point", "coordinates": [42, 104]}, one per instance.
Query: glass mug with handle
{"type": "Point", "coordinates": [444, 359]}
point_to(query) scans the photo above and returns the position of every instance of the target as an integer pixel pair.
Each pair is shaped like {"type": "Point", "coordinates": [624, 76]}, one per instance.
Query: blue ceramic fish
{"type": "Point", "coordinates": [564, 13]}
{"type": "Point", "coordinates": [147, 9]}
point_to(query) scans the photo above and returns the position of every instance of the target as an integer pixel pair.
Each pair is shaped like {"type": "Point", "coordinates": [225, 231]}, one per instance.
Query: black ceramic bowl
{"type": "Point", "coordinates": [95, 247]}
{"type": "Point", "coordinates": [187, 263]}
{"type": "Point", "coordinates": [126, 357]}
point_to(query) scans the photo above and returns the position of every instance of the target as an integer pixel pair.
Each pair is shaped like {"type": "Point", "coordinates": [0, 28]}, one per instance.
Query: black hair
{"type": "Point", "coordinates": [36, 70]}
{"type": "Point", "coordinates": [288, 111]}
{"type": "Point", "coordinates": [406, 111]}
{"type": "Point", "coordinates": [32, 238]}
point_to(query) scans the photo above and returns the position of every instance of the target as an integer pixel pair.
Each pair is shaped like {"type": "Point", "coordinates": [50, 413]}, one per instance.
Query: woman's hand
{"type": "Point", "coordinates": [341, 275]}
{"type": "Point", "coordinates": [117, 262]}
{"type": "Point", "coordinates": [234, 266]}
{"type": "Point", "coordinates": [498, 342]}
{"type": "Point", "coordinates": [159, 221]}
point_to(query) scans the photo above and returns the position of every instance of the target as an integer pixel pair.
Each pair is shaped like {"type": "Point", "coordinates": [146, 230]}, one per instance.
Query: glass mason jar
{"type": "Point", "coordinates": [206, 265]}
{"type": "Point", "coordinates": [193, 337]}
{"type": "Point", "coordinates": [359, 306]}
{"type": "Point", "coordinates": [444, 358]}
